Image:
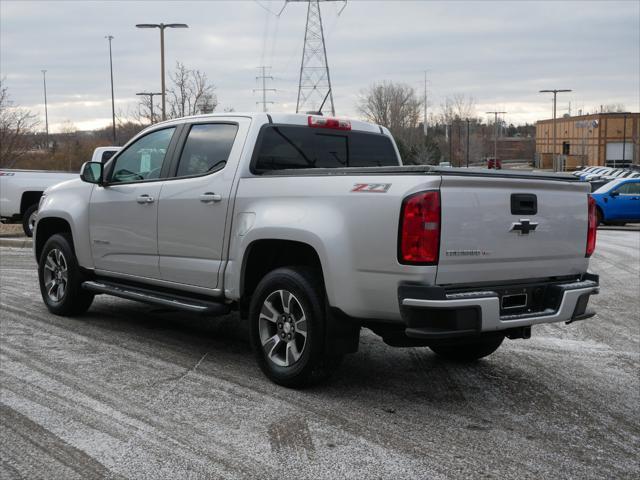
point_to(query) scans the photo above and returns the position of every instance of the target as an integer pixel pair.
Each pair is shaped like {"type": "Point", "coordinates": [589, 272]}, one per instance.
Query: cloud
{"type": "Point", "coordinates": [501, 53]}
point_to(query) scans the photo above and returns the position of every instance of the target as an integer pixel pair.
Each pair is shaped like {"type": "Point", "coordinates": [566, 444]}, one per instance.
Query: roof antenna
{"type": "Point", "coordinates": [319, 112]}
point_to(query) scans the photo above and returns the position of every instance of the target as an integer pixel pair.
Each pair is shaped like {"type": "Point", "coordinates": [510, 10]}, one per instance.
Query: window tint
{"type": "Point", "coordinates": [629, 188]}
{"type": "Point", "coordinates": [370, 150]}
{"type": "Point", "coordinates": [143, 159]}
{"type": "Point", "coordinates": [207, 148]}
{"type": "Point", "coordinates": [288, 147]}
{"type": "Point", "coordinates": [331, 151]}
{"type": "Point", "coordinates": [285, 147]}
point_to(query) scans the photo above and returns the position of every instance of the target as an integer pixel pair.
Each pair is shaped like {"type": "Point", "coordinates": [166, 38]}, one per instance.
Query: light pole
{"type": "Point", "coordinates": [150, 95]}
{"type": "Point", "coordinates": [555, 95]}
{"type": "Point", "coordinates": [46, 113]}
{"type": "Point", "coordinates": [113, 101]}
{"type": "Point", "coordinates": [468, 142]}
{"type": "Point", "coordinates": [495, 140]}
{"type": "Point", "coordinates": [624, 143]}
{"type": "Point", "coordinates": [162, 26]}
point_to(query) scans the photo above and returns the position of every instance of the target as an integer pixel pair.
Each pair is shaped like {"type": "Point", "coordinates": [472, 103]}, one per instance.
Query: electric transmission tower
{"type": "Point", "coordinates": [264, 77]}
{"type": "Point", "coordinates": [314, 86]}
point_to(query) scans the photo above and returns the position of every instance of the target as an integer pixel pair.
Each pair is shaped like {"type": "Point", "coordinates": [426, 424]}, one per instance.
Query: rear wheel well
{"type": "Point", "coordinates": [264, 256]}
{"type": "Point", "coordinates": [48, 227]}
{"type": "Point", "coordinates": [28, 199]}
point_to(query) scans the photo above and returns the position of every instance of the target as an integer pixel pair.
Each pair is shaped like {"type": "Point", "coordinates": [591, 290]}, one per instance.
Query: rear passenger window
{"type": "Point", "coordinates": [207, 148]}
{"type": "Point", "coordinates": [289, 147]}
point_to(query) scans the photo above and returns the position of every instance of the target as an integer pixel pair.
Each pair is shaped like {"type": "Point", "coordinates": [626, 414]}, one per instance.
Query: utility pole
{"type": "Point", "coordinates": [451, 144]}
{"type": "Point", "coordinates": [555, 95]}
{"type": "Point", "coordinates": [46, 113]}
{"type": "Point", "coordinates": [264, 77]}
{"type": "Point", "coordinates": [468, 121]}
{"type": "Point", "coordinates": [425, 104]}
{"type": "Point", "coordinates": [162, 26]}
{"type": "Point", "coordinates": [495, 139]}
{"type": "Point", "coordinates": [150, 95]}
{"type": "Point", "coordinates": [113, 101]}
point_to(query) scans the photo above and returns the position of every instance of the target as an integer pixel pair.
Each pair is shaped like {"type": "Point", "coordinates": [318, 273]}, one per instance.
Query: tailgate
{"type": "Point", "coordinates": [484, 238]}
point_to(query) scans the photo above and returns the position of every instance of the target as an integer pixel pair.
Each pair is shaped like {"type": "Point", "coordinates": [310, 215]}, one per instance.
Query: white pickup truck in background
{"type": "Point", "coordinates": [20, 190]}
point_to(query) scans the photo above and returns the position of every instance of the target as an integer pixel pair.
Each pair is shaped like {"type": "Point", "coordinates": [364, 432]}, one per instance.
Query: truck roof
{"type": "Point", "coordinates": [282, 118]}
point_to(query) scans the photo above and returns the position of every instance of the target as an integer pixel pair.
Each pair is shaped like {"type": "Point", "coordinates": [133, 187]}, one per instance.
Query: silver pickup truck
{"type": "Point", "coordinates": [311, 228]}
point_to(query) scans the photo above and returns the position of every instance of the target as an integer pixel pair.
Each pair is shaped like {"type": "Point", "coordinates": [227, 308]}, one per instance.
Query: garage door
{"type": "Point", "coordinates": [615, 149]}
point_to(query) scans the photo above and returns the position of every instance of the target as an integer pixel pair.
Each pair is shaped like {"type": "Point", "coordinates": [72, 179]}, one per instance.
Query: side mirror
{"type": "Point", "coordinates": [91, 172]}
{"type": "Point", "coordinates": [614, 194]}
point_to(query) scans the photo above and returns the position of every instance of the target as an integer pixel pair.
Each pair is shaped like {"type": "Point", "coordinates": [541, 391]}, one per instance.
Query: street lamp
{"type": "Point", "coordinates": [162, 26]}
{"type": "Point", "coordinates": [150, 95]}
{"type": "Point", "coordinates": [555, 94]}
{"type": "Point", "coordinates": [113, 101]}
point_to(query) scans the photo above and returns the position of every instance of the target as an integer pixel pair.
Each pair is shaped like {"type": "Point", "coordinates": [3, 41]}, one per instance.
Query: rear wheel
{"type": "Point", "coordinates": [60, 278]}
{"type": "Point", "coordinates": [288, 325]}
{"type": "Point", "coordinates": [29, 219]}
{"type": "Point", "coordinates": [469, 351]}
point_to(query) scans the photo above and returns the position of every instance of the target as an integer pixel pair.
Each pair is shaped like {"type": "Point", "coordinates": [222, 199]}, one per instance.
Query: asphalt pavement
{"type": "Point", "coordinates": [132, 391]}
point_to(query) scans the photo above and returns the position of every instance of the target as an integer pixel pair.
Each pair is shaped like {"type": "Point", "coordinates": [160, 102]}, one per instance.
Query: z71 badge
{"type": "Point", "coordinates": [371, 187]}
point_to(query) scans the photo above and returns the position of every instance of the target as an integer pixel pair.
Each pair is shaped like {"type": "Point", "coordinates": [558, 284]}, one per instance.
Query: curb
{"type": "Point", "coordinates": [16, 242]}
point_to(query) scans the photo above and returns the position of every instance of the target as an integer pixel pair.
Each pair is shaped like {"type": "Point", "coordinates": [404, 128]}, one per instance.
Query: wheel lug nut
{"type": "Point", "coordinates": [289, 336]}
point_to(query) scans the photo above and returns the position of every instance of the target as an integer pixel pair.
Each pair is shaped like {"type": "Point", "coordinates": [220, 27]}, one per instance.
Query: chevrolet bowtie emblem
{"type": "Point", "coordinates": [524, 226]}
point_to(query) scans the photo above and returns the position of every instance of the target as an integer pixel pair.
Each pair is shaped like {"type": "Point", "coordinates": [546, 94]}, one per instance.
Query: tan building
{"type": "Point", "coordinates": [605, 139]}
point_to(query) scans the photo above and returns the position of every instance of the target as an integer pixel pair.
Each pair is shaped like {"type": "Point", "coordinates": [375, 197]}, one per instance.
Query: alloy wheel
{"type": "Point", "coordinates": [56, 275]}
{"type": "Point", "coordinates": [283, 328]}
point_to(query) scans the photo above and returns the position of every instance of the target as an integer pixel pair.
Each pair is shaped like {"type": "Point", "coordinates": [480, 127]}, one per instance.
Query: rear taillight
{"type": "Point", "coordinates": [419, 240]}
{"type": "Point", "coordinates": [592, 228]}
{"type": "Point", "coordinates": [326, 122]}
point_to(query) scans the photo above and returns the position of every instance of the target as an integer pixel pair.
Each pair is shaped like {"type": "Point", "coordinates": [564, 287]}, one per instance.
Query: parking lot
{"type": "Point", "coordinates": [131, 391]}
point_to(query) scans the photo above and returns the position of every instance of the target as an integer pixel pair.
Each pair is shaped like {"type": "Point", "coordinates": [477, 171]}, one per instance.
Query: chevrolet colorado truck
{"type": "Point", "coordinates": [311, 228]}
{"type": "Point", "coordinates": [20, 190]}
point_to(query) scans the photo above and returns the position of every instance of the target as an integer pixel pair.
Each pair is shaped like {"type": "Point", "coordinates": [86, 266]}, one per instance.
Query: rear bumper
{"type": "Point", "coordinates": [433, 313]}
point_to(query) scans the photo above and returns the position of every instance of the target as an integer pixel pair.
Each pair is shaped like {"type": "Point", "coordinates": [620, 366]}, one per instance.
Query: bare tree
{"type": "Point", "coordinates": [393, 105]}
{"type": "Point", "coordinates": [16, 127]}
{"type": "Point", "coordinates": [456, 108]}
{"type": "Point", "coordinates": [191, 93]}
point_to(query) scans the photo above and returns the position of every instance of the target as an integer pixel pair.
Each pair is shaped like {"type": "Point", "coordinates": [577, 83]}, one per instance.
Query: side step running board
{"type": "Point", "coordinates": [177, 302]}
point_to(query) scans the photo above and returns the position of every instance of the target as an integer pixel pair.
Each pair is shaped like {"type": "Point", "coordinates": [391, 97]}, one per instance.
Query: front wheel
{"type": "Point", "coordinates": [61, 279]}
{"type": "Point", "coordinates": [468, 351]}
{"type": "Point", "coordinates": [287, 326]}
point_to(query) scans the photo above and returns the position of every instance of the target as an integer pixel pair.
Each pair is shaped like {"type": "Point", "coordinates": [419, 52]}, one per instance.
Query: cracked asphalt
{"type": "Point", "coordinates": [131, 391]}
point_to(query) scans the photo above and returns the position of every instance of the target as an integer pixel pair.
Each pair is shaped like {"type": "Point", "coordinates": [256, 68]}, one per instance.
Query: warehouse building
{"type": "Point", "coordinates": [602, 139]}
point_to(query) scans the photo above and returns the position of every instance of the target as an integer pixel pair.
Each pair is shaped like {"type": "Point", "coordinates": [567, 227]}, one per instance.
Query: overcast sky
{"type": "Point", "coordinates": [501, 53]}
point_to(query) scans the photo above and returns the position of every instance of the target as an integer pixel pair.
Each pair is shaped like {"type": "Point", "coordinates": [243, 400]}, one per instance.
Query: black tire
{"type": "Point", "coordinates": [312, 365]}
{"type": "Point", "coordinates": [67, 298]}
{"type": "Point", "coordinates": [599, 217]}
{"type": "Point", "coordinates": [27, 221]}
{"type": "Point", "coordinates": [468, 351]}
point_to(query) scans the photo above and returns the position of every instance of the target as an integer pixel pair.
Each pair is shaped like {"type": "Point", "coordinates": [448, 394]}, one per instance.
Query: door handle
{"type": "Point", "coordinates": [142, 199]}
{"type": "Point", "coordinates": [210, 197]}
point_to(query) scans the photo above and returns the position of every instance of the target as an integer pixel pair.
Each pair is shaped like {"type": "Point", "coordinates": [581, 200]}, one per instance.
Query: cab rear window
{"type": "Point", "coordinates": [291, 147]}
